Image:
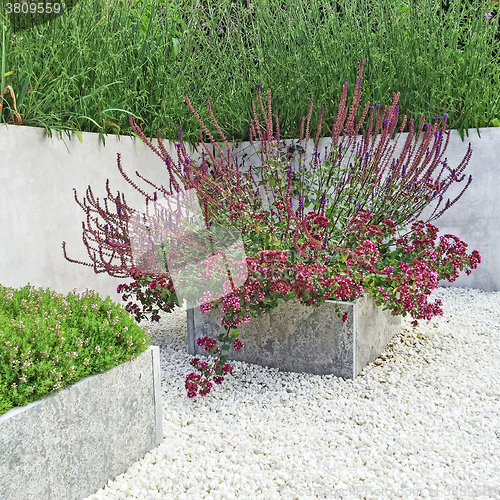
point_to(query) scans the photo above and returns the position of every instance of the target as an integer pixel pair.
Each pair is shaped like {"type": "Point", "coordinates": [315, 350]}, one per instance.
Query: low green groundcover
{"type": "Point", "coordinates": [49, 341]}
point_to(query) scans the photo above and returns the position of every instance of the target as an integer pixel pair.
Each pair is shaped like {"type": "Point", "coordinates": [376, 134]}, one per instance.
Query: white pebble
{"type": "Point", "coordinates": [425, 416]}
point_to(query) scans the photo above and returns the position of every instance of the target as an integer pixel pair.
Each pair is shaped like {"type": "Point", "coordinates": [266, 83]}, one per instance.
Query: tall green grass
{"type": "Point", "coordinates": [92, 67]}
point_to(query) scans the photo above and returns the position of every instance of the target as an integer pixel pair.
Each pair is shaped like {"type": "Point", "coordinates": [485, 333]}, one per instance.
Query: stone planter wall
{"type": "Point", "coordinates": [38, 211]}
{"type": "Point", "coordinates": [297, 338]}
{"type": "Point", "coordinates": [69, 444]}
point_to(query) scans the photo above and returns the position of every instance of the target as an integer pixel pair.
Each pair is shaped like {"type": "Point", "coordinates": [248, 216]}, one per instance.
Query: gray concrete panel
{"type": "Point", "coordinates": [67, 445]}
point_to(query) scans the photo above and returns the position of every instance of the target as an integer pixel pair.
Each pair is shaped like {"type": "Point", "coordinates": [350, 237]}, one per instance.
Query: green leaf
{"type": "Point", "coordinates": [119, 109]}
{"type": "Point", "coordinates": [234, 334]}
{"type": "Point", "coordinates": [79, 135]}
{"type": "Point", "coordinates": [225, 347]}
{"type": "Point", "coordinates": [2, 85]}
{"type": "Point", "coordinates": [175, 47]}
{"type": "Point", "coordinates": [104, 86]}
{"type": "Point", "coordinates": [90, 119]}
{"type": "Point", "coordinates": [495, 122]}
{"type": "Point", "coordinates": [133, 133]}
{"type": "Point", "coordinates": [24, 89]}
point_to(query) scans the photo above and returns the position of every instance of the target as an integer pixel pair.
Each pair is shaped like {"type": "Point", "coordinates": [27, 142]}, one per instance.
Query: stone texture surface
{"type": "Point", "coordinates": [69, 444]}
{"type": "Point", "coordinates": [298, 338]}
{"type": "Point", "coordinates": [374, 330]}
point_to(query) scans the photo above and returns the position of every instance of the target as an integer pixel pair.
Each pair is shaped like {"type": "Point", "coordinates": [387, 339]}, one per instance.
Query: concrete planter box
{"type": "Point", "coordinates": [67, 445]}
{"type": "Point", "coordinates": [298, 338]}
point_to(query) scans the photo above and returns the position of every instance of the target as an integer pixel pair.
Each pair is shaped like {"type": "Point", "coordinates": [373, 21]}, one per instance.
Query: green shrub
{"type": "Point", "coordinates": [48, 341]}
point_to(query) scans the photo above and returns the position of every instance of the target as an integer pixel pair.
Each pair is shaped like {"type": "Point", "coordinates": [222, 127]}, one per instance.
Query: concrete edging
{"type": "Point", "coordinates": [298, 338]}
{"type": "Point", "coordinates": [67, 445]}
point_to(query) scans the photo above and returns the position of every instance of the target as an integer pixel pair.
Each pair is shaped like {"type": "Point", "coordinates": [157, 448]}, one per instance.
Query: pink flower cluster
{"type": "Point", "coordinates": [199, 384]}
{"type": "Point", "coordinates": [207, 342]}
{"type": "Point", "coordinates": [149, 289]}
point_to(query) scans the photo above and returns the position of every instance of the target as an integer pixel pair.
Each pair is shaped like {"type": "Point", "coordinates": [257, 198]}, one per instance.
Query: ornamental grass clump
{"type": "Point", "coordinates": [49, 340]}
{"type": "Point", "coordinates": [329, 230]}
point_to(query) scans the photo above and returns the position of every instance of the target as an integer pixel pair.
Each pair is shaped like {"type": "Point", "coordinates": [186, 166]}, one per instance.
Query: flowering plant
{"type": "Point", "coordinates": [329, 230]}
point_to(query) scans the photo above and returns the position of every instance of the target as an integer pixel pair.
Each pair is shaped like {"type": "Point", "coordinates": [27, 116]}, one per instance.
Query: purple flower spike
{"type": "Point", "coordinates": [489, 15]}
{"type": "Point", "coordinates": [325, 242]}
{"type": "Point", "coordinates": [323, 201]}
{"type": "Point", "coordinates": [259, 85]}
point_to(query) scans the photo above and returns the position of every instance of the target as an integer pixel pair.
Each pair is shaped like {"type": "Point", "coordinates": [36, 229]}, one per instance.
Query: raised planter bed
{"type": "Point", "coordinates": [298, 338]}
{"type": "Point", "coordinates": [67, 445]}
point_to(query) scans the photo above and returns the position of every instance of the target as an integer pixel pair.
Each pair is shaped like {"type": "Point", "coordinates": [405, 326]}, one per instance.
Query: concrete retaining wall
{"type": "Point", "coordinates": [38, 211]}
{"type": "Point", "coordinates": [67, 445]}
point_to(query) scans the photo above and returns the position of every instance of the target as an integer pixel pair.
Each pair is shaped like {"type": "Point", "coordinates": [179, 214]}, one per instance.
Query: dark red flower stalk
{"type": "Point", "coordinates": [107, 241]}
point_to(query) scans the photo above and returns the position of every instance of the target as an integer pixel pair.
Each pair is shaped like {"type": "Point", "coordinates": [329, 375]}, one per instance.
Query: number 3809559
{"type": "Point", "coordinates": [32, 8]}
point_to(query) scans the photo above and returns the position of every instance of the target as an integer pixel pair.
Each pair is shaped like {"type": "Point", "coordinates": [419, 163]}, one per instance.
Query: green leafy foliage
{"type": "Point", "coordinates": [442, 56]}
{"type": "Point", "coordinates": [48, 341]}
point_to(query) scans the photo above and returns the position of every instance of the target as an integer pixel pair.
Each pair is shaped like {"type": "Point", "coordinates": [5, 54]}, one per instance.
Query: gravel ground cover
{"type": "Point", "coordinates": [422, 421]}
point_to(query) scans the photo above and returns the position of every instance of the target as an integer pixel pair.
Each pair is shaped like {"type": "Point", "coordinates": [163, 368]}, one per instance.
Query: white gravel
{"type": "Point", "coordinates": [423, 421]}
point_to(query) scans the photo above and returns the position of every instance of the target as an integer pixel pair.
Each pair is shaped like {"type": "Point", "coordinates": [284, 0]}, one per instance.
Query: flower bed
{"type": "Point", "coordinates": [222, 236]}
{"type": "Point", "coordinates": [72, 442]}
{"type": "Point", "coordinates": [48, 340]}
{"type": "Point", "coordinates": [80, 398]}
